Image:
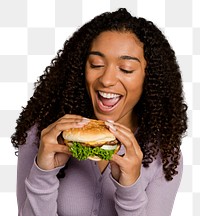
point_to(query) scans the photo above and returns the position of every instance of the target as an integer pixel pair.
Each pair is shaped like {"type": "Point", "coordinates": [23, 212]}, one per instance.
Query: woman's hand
{"type": "Point", "coordinates": [126, 169]}
{"type": "Point", "coordinates": [52, 150]}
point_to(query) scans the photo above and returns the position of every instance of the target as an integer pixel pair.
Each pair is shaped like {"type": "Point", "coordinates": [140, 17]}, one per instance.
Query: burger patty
{"type": "Point", "coordinates": [114, 142]}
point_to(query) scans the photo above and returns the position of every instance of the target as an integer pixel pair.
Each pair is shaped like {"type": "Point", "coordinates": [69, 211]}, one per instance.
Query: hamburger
{"type": "Point", "coordinates": [93, 141]}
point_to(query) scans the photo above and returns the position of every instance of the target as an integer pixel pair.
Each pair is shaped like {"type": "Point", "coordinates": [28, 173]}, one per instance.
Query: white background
{"type": "Point", "coordinates": [32, 31]}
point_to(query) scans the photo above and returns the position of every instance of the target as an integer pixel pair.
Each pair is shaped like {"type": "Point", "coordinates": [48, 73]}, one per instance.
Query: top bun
{"type": "Point", "coordinates": [93, 132]}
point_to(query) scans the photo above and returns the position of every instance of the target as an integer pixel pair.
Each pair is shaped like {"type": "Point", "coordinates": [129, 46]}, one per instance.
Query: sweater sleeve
{"type": "Point", "coordinates": [37, 190]}
{"type": "Point", "coordinates": [130, 200]}
{"type": "Point", "coordinates": [42, 192]}
{"type": "Point", "coordinates": [156, 199]}
{"type": "Point", "coordinates": [161, 193]}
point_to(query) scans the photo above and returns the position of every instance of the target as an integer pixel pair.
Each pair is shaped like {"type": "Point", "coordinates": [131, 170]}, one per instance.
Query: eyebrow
{"type": "Point", "coordinates": [96, 53]}
{"type": "Point", "coordinates": [129, 58]}
{"type": "Point", "coordinates": [124, 57]}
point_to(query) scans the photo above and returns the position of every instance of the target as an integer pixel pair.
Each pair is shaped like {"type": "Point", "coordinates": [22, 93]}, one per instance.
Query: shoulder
{"type": "Point", "coordinates": [155, 169]}
{"type": "Point", "coordinates": [32, 139]}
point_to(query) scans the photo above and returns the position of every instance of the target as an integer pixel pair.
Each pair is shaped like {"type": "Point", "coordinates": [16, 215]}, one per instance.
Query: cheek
{"type": "Point", "coordinates": [87, 72]}
{"type": "Point", "coordinates": [90, 77]}
{"type": "Point", "coordinates": [135, 89]}
{"type": "Point", "coordinates": [133, 97]}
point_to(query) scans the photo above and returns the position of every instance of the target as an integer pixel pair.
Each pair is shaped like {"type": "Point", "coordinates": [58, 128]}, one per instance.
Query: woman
{"type": "Point", "coordinates": [122, 70]}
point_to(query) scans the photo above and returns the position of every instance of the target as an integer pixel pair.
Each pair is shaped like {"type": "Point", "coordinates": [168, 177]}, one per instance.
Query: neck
{"type": "Point", "coordinates": [129, 121]}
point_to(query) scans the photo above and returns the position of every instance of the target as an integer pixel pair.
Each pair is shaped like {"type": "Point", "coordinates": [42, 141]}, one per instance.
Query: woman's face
{"type": "Point", "coordinates": [115, 71]}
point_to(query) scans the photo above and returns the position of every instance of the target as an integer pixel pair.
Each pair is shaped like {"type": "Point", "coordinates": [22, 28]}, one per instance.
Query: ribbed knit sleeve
{"type": "Point", "coordinates": [155, 199]}
{"type": "Point", "coordinates": [37, 190]}
{"type": "Point", "coordinates": [42, 192]}
{"type": "Point", "coordinates": [130, 200]}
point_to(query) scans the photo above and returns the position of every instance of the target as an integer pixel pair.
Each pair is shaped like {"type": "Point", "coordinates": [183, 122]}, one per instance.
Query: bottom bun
{"type": "Point", "coordinates": [94, 158]}
{"type": "Point", "coordinates": [117, 149]}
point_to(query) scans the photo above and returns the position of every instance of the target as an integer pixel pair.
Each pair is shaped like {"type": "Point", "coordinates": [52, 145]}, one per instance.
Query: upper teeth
{"type": "Point", "coordinates": [108, 95]}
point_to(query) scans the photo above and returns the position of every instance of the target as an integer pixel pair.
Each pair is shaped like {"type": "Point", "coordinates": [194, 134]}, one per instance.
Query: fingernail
{"type": "Point", "coordinates": [83, 121]}
{"type": "Point", "coordinates": [111, 126]}
{"type": "Point", "coordinates": [111, 121]}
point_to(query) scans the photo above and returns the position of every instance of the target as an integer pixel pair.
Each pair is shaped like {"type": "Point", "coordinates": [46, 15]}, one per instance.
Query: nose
{"type": "Point", "coordinates": [109, 76]}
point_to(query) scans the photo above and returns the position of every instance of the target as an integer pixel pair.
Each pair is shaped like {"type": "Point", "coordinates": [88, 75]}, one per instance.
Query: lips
{"type": "Point", "coordinates": [107, 101]}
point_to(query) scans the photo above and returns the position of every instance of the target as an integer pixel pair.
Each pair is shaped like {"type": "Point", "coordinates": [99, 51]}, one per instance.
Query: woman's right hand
{"type": "Point", "coordinates": [52, 150]}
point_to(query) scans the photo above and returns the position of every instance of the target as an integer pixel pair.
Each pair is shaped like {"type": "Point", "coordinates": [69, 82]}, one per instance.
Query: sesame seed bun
{"type": "Point", "coordinates": [95, 133]}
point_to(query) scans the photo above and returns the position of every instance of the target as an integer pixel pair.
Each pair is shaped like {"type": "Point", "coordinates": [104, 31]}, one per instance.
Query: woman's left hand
{"type": "Point", "coordinates": [126, 169]}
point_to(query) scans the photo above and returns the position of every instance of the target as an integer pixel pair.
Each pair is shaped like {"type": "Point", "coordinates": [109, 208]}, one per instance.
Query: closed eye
{"type": "Point", "coordinates": [126, 71]}
{"type": "Point", "coordinates": [96, 66]}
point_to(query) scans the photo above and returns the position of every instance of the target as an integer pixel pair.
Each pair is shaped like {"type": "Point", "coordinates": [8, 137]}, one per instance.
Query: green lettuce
{"type": "Point", "coordinates": [83, 152]}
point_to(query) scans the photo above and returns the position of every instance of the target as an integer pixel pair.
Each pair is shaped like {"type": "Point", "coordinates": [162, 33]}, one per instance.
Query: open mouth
{"type": "Point", "coordinates": [107, 101]}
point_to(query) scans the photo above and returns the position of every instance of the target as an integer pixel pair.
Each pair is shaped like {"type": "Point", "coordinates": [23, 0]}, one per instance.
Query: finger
{"type": "Point", "coordinates": [61, 149]}
{"type": "Point", "coordinates": [115, 170]}
{"type": "Point", "coordinates": [122, 136]}
{"type": "Point", "coordinates": [128, 134]}
{"type": "Point", "coordinates": [65, 118]}
{"type": "Point", "coordinates": [72, 116]}
{"type": "Point", "coordinates": [52, 148]}
{"type": "Point", "coordinates": [60, 127]}
{"type": "Point", "coordinates": [121, 126]}
{"type": "Point", "coordinates": [117, 160]}
{"type": "Point", "coordinates": [125, 136]}
{"type": "Point", "coordinates": [66, 123]}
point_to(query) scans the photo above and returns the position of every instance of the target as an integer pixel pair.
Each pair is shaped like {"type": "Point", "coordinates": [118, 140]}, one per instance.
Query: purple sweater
{"type": "Point", "coordinates": [84, 191]}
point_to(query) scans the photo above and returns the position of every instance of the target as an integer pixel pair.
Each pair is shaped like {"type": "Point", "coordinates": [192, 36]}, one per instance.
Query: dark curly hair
{"type": "Point", "coordinates": [161, 109]}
